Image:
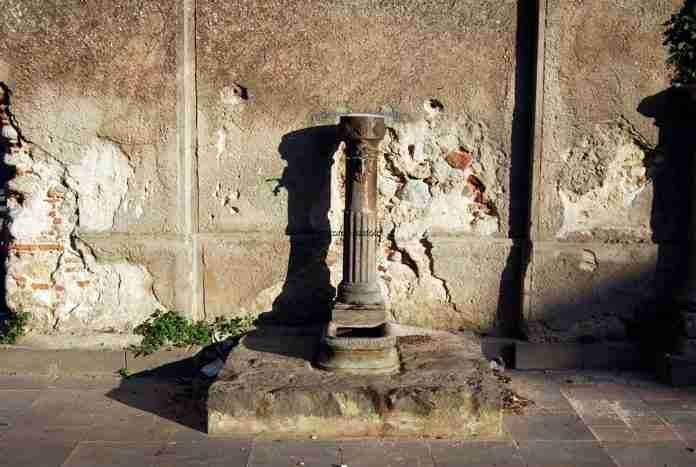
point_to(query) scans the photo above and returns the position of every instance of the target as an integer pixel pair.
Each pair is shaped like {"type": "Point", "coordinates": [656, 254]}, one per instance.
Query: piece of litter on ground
{"type": "Point", "coordinates": [212, 369]}
{"type": "Point", "coordinates": [497, 364]}
{"type": "Point", "coordinates": [313, 437]}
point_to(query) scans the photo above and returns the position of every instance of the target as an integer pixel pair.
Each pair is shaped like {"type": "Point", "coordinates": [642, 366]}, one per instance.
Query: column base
{"type": "Point", "coordinates": [360, 294]}
{"type": "Point", "coordinates": [356, 341]}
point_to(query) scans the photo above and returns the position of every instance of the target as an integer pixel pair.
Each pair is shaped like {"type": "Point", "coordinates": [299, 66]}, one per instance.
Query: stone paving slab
{"type": "Point", "coordinates": [476, 454]}
{"type": "Point", "coordinates": [114, 454]}
{"type": "Point", "coordinates": [668, 453]}
{"type": "Point", "coordinates": [51, 363]}
{"type": "Point", "coordinates": [565, 454]}
{"type": "Point", "coordinates": [29, 453]}
{"type": "Point", "coordinates": [363, 453]}
{"type": "Point", "coordinates": [549, 427]}
{"type": "Point", "coordinates": [23, 382]}
{"type": "Point", "coordinates": [208, 452]}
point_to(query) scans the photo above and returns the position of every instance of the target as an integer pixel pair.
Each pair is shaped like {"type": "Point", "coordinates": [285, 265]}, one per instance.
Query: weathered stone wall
{"type": "Point", "coordinates": [271, 80]}
{"type": "Point", "coordinates": [182, 155]}
{"type": "Point", "coordinates": [608, 206]}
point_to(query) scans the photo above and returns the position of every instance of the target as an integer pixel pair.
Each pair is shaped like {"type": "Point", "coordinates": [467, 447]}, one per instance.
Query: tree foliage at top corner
{"type": "Point", "coordinates": [680, 39]}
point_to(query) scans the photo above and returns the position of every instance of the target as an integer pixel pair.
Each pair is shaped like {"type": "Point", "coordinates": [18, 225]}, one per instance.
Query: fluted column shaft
{"type": "Point", "coordinates": [362, 135]}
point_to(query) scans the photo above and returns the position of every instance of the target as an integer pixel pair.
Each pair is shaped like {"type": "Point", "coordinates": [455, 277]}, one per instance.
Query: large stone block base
{"type": "Point", "coordinates": [269, 385]}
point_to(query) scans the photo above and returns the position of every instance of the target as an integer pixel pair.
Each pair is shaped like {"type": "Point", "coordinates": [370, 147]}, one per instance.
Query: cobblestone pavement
{"type": "Point", "coordinates": [577, 419]}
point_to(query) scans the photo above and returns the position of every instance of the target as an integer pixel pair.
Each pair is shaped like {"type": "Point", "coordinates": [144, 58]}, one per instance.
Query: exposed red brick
{"type": "Point", "coordinates": [36, 247]}
{"type": "Point", "coordinates": [40, 286]}
{"type": "Point", "coordinates": [478, 188]}
{"type": "Point", "coordinates": [23, 247]}
{"type": "Point", "coordinates": [459, 159]}
{"type": "Point", "coordinates": [51, 247]}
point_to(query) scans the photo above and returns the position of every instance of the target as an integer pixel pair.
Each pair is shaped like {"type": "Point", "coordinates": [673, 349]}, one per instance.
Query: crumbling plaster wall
{"type": "Point", "coordinates": [607, 207]}
{"type": "Point", "coordinates": [93, 241]}
{"type": "Point", "coordinates": [271, 81]}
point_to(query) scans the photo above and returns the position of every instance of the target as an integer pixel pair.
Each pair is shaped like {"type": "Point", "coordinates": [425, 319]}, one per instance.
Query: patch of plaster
{"type": "Point", "coordinates": [221, 144]}
{"type": "Point", "coordinates": [603, 175]}
{"type": "Point", "coordinates": [100, 181]}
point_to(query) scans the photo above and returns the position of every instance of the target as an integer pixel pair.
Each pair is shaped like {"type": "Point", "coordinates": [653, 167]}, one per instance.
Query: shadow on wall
{"type": "Point", "coordinates": [7, 172]}
{"type": "Point", "coordinates": [616, 302]}
{"type": "Point", "coordinates": [670, 214]}
{"type": "Point", "coordinates": [508, 320]}
{"type": "Point", "coordinates": [593, 294]}
{"type": "Point", "coordinates": [307, 293]}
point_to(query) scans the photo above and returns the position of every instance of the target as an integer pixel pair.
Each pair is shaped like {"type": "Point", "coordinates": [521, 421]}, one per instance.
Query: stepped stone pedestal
{"type": "Point", "coordinates": [444, 388]}
{"type": "Point", "coordinates": [364, 384]}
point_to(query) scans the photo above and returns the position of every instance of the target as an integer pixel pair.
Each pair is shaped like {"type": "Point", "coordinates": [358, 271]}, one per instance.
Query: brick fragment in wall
{"type": "Point", "coordinates": [51, 272]}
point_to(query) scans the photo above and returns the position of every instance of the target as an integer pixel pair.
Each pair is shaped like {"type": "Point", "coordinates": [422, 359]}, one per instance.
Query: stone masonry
{"type": "Point", "coordinates": [179, 156]}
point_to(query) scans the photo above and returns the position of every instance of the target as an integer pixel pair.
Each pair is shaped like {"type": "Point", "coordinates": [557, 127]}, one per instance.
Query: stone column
{"type": "Point", "coordinates": [356, 340]}
{"type": "Point", "coordinates": [361, 135]}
